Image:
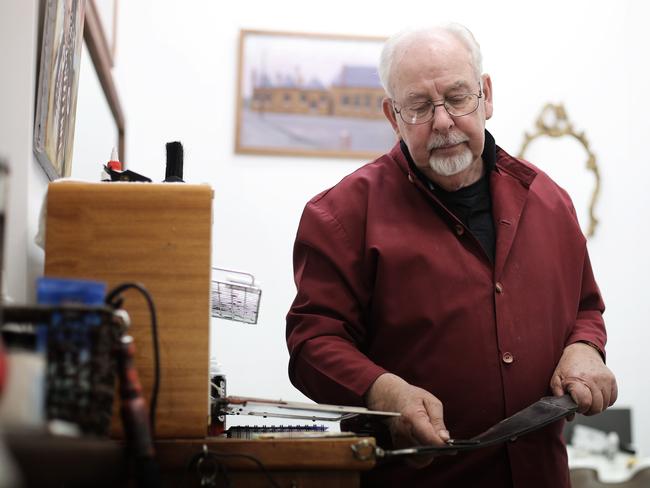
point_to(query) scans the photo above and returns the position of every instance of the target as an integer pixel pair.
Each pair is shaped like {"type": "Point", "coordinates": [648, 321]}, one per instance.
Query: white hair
{"type": "Point", "coordinates": [400, 40]}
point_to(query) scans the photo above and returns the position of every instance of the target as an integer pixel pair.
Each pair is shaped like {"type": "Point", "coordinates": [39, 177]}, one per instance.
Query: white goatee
{"type": "Point", "coordinates": [449, 165]}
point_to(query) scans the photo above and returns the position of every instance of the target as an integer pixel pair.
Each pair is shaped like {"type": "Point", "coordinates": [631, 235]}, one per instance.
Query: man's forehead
{"type": "Point", "coordinates": [441, 44]}
{"type": "Point", "coordinates": [433, 58]}
{"type": "Point", "coordinates": [413, 92]}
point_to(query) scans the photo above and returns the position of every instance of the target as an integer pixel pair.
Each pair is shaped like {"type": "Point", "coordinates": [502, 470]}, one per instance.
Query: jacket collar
{"type": "Point", "coordinates": [510, 182]}
{"type": "Point", "coordinates": [503, 162]}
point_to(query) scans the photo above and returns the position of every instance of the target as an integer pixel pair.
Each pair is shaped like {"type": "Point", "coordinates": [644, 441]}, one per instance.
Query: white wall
{"type": "Point", "coordinates": [176, 74]}
{"type": "Point", "coordinates": [18, 57]}
{"type": "Point", "coordinates": [95, 132]}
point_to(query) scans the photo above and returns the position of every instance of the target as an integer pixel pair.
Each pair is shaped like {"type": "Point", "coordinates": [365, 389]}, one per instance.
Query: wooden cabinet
{"type": "Point", "coordinates": [158, 235]}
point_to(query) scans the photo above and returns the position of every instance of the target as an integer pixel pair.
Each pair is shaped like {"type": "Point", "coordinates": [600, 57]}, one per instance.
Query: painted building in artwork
{"type": "Point", "coordinates": [356, 92]}
{"type": "Point", "coordinates": [289, 95]}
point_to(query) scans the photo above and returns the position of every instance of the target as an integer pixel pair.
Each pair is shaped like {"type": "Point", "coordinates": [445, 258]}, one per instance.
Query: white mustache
{"type": "Point", "coordinates": [437, 141]}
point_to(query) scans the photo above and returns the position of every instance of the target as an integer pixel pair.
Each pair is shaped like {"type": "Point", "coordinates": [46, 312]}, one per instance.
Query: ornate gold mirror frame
{"type": "Point", "coordinates": [553, 122]}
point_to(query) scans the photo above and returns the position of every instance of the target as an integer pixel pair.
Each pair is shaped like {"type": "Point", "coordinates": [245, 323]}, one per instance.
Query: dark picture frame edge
{"type": "Point", "coordinates": [102, 59]}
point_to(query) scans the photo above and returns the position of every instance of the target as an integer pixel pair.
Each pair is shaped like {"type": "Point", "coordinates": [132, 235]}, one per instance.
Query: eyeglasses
{"type": "Point", "coordinates": [455, 105]}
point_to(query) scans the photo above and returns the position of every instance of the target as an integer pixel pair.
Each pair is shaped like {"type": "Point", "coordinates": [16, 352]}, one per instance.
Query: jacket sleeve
{"type": "Point", "coordinates": [589, 326]}
{"type": "Point", "coordinates": [326, 327]}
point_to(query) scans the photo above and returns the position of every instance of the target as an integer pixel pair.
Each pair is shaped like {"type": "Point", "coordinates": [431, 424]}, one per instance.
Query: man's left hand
{"type": "Point", "coordinates": [582, 373]}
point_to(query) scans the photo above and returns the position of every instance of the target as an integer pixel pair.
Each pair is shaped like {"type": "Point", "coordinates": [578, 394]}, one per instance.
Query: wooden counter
{"type": "Point", "coordinates": [295, 463]}
{"type": "Point", "coordinates": [44, 460]}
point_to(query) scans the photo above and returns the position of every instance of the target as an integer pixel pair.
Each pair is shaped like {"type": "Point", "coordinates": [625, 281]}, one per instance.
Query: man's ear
{"type": "Point", "coordinates": [389, 112]}
{"type": "Point", "coordinates": [487, 95]}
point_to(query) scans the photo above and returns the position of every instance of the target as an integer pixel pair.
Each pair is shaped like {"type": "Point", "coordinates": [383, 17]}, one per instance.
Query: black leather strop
{"type": "Point", "coordinates": [541, 413]}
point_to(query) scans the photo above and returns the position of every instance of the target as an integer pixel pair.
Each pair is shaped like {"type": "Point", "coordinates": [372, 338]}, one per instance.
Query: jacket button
{"type": "Point", "coordinates": [460, 230]}
{"type": "Point", "coordinates": [498, 287]}
{"type": "Point", "coordinates": [507, 357]}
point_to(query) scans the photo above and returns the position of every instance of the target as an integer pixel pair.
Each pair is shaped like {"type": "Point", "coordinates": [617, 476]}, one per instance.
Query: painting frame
{"type": "Point", "coordinates": [310, 94]}
{"type": "Point", "coordinates": [54, 123]}
{"type": "Point", "coordinates": [106, 12]}
{"type": "Point", "coordinates": [102, 54]}
{"type": "Point", "coordinates": [56, 98]}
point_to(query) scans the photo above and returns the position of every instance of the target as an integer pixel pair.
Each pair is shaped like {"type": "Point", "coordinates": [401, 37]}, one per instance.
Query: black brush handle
{"type": "Point", "coordinates": [174, 168]}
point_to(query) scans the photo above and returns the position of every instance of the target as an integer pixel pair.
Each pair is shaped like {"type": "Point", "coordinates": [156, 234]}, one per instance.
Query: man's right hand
{"type": "Point", "coordinates": [421, 421]}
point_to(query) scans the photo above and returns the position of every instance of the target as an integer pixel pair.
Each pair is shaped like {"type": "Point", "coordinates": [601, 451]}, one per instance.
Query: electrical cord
{"type": "Point", "coordinates": [221, 468]}
{"type": "Point", "coordinates": [114, 299]}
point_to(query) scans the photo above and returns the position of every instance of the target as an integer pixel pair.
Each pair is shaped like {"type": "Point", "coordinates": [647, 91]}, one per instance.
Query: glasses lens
{"type": "Point", "coordinates": [460, 105]}
{"type": "Point", "coordinates": [417, 114]}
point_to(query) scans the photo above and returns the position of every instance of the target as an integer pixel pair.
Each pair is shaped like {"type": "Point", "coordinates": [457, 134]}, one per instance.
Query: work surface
{"type": "Point", "coordinates": [45, 460]}
{"type": "Point", "coordinates": [251, 463]}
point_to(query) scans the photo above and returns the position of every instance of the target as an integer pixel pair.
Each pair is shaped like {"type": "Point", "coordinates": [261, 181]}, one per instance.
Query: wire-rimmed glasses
{"type": "Point", "coordinates": [423, 112]}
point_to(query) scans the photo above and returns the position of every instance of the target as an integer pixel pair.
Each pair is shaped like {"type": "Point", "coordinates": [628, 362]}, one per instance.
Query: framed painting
{"type": "Point", "coordinates": [310, 95]}
{"type": "Point", "coordinates": [66, 25]}
{"type": "Point", "coordinates": [57, 85]}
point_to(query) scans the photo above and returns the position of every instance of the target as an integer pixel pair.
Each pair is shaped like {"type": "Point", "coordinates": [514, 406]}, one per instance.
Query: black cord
{"type": "Point", "coordinates": [214, 456]}
{"type": "Point", "coordinates": [115, 301]}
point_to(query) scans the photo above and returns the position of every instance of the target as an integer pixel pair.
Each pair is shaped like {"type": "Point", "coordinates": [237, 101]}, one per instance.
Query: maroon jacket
{"type": "Point", "coordinates": [389, 280]}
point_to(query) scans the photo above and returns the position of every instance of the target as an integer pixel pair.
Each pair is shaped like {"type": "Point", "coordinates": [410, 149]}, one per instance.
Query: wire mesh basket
{"type": "Point", "coordinates": [235, 296]}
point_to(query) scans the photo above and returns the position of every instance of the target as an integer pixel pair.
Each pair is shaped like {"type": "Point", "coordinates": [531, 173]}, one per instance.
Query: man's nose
{"type": "Point", "coordinates": [442, 121]}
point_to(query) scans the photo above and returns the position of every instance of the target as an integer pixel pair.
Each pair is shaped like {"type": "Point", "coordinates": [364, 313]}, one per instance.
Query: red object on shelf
{"type": "Point", "coordinates": [114, 164]}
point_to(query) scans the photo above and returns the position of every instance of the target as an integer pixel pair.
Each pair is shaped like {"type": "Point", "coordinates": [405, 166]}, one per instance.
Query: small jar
{"type": "Point", "coordinates": [217, 424]}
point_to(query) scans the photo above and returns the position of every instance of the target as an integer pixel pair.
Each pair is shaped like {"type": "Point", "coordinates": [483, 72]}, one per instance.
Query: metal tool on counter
{"type": "Point", "coordinates": [233, 405]}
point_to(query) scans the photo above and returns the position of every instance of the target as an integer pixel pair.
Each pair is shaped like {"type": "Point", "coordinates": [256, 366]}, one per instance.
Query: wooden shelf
{"type": "Point", "coordinates": [304, 463]}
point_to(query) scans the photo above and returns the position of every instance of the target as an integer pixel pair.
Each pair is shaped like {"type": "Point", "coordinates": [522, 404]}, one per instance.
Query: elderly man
{"type": "Point", "coordinates": [448, 274]}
